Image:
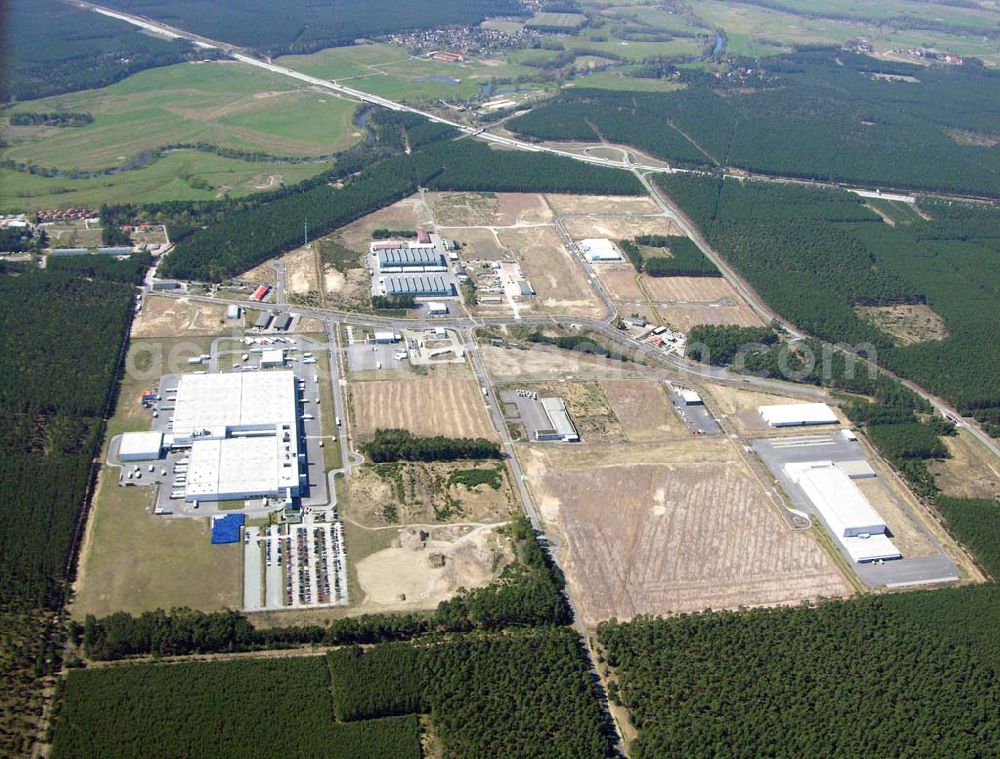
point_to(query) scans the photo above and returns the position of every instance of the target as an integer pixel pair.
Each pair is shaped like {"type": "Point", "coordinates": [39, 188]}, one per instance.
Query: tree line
{"type": "Point", "coordinates": [529, 593]}
{"type": "Point", "coordinates": [402, 445]}
{"type": "Point", "coordinates": [52, 119]}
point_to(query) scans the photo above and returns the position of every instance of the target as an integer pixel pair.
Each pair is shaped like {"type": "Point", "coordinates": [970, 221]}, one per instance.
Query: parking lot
{"type": "Point", "coordinates": [833, 446]}
{"type": "Point", "coordinates": [370, 357]}
{"type": "Point", "coordinates": [294, 566]}
{"type": "Point", "coordinates": [698, 418]}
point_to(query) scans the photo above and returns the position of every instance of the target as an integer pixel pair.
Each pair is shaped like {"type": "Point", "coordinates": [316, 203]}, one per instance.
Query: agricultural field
{"type": "Point", "coordinates": [182, 175]}
{"type": "Point", "coordinates": [679, 302]}
{"type": "Point", "coordinates": [390, 71]}
{"type": "Point", "coordinates": [755, 30]}
{"type": "Point", "coordinates": [671, 528]}
{"type": "Point", "coordinates": [429, 493]}
{"type": "Point", "coordinates": [227, 104]}
{"type": "Point", "coordinates": [449, 406]}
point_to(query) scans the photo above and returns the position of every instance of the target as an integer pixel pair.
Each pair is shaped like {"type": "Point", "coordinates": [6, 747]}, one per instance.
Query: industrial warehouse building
{"type": "Point", "coordinates": [263, 320]}
{"type": "Point", "coordinates": [140, 446]}
{"type": "Point", "coordinates": [597, 250]}
{"type": "Point", "coordinates": [282, 322]}
{"type": "Point", "coordinates": [845, 509]}
{"type": "Point", "coordinates": [798, 414]}
{"type": "Point", "coordinates": [418, 285]}
{"type": "Point", "coordinates": [242, 429]}
{"type": "Point", "coordinates": [411, 258]}
{"type": "Point", "coordinates": [691, 398]}
{"type": "Point", "coordinates": [561, 426]}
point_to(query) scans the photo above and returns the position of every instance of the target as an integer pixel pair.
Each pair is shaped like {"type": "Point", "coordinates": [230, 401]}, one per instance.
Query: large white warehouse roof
{"type": "Point", "coordinates": [844, 508]}
{"type": "Point", "coordinates": [798, 414]}
{"type": "Point", "coordinates": [236, 401]}
{"type": "Point", "coordinates": [597, 249]}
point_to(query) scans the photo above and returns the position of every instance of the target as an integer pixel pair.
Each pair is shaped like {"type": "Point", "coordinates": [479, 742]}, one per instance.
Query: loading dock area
{"type": "Point", "coordinates": [784, 459]}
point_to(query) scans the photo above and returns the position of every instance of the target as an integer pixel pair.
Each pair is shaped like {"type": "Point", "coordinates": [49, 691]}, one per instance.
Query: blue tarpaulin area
{"type": "Point", "coordinates": [227, 529]}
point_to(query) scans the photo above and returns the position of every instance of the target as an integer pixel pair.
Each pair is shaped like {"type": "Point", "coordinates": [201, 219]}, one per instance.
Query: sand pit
{"type": "Point", "coordinates": [672, 536]}
{"type": "Point", "coordinates": [449, 406]}
{"type": "Point", "coordinates": [425, 566]}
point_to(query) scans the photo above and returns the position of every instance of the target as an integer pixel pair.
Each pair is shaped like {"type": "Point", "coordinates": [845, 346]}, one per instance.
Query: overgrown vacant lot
{"type": "Point", "coordinates": [449, 406]}
{"type": "Point", "coordinates": [658, 529]}
{"type": "Point", "coordinates": [223, 103]}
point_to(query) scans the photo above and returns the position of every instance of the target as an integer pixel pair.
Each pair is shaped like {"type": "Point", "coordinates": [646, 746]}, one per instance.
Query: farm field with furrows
{"type": "Point", "coordinates": [452, 407]}
{"type": "Point", "coordinates": [661, 529]}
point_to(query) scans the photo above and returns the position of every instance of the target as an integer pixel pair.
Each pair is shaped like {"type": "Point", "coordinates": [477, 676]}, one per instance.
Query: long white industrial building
{"type": "Point", "coordinates": [798, 414]}
{"type": "Point", "coordinates": [242, 429]}
{"type": "Point", "coordinates": [845, 509]}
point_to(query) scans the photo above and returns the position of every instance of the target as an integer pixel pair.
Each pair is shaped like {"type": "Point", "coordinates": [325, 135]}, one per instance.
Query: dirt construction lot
{"type": "Point", "coordinates": [558, 281]}
{"type": "Point", "coordinates": [425, 566]}
{"type": "Point", "coordinates": [418, 493]}
{"type": "Point", "coordinates": [449, 406]}
{"type": "Point", "coordinates": [170, 317]}
{"type": "Point", "coordinates": [669, 529]}
{"type": "Point", "coordinates": [505, 209]}
{"type": "Point", "coordinates": [618, 228]}
{"type": "Point", "coordinates": [643, 411]}
{"type": "Point", "coordinates": [603, 204]}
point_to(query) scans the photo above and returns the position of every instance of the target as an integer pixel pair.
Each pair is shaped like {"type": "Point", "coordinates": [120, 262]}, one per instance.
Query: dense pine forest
{"type": "Point", "coordinates": [909, 674]}
{"type": "Point", "coordinates": [249, 708]}
{"type": "Point", "coordinates": [238, 241]}
{"type": "Point", "coordinates": [823, 114]}
{"type": "Point", "coordinates": [55, 47]}
{"type": "Point", "coordinates": [528, 694]}
{"type": "Point", "coordinates": [62, 339]}
{"type": "Point", "coordinates": [834, 255]}
{"type": "Point", "coordinates": [299, 26]}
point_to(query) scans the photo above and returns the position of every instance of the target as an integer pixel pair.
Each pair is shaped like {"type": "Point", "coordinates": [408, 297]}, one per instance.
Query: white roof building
{"type": "Point", "coordinates": [271, 358]}
{"type": "Point", "coordinates": [140, 446]}
{"type": "Point", "coordinates": [691, 398]}
{"type": "Point", "coordinates": [243, 433]}
{"type": "Point", "coordinates": [845, 510]}
{"type": "Point", "coordinates": [798, 414]}
{"type": "Point", "coordinates": [600, 250]}
{"type": "Point", "coordinates": [562, 425]}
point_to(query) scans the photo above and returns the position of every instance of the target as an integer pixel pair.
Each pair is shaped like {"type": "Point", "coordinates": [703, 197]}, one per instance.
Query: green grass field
{"type": "Point", "coordinates": [183, 175]}
{"type": "Point", "coordinates": [753, 30]}
{"type": "Point", "coordinates": [226, 104]}
{"type": "Point", "coordinates": [389, 71]}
